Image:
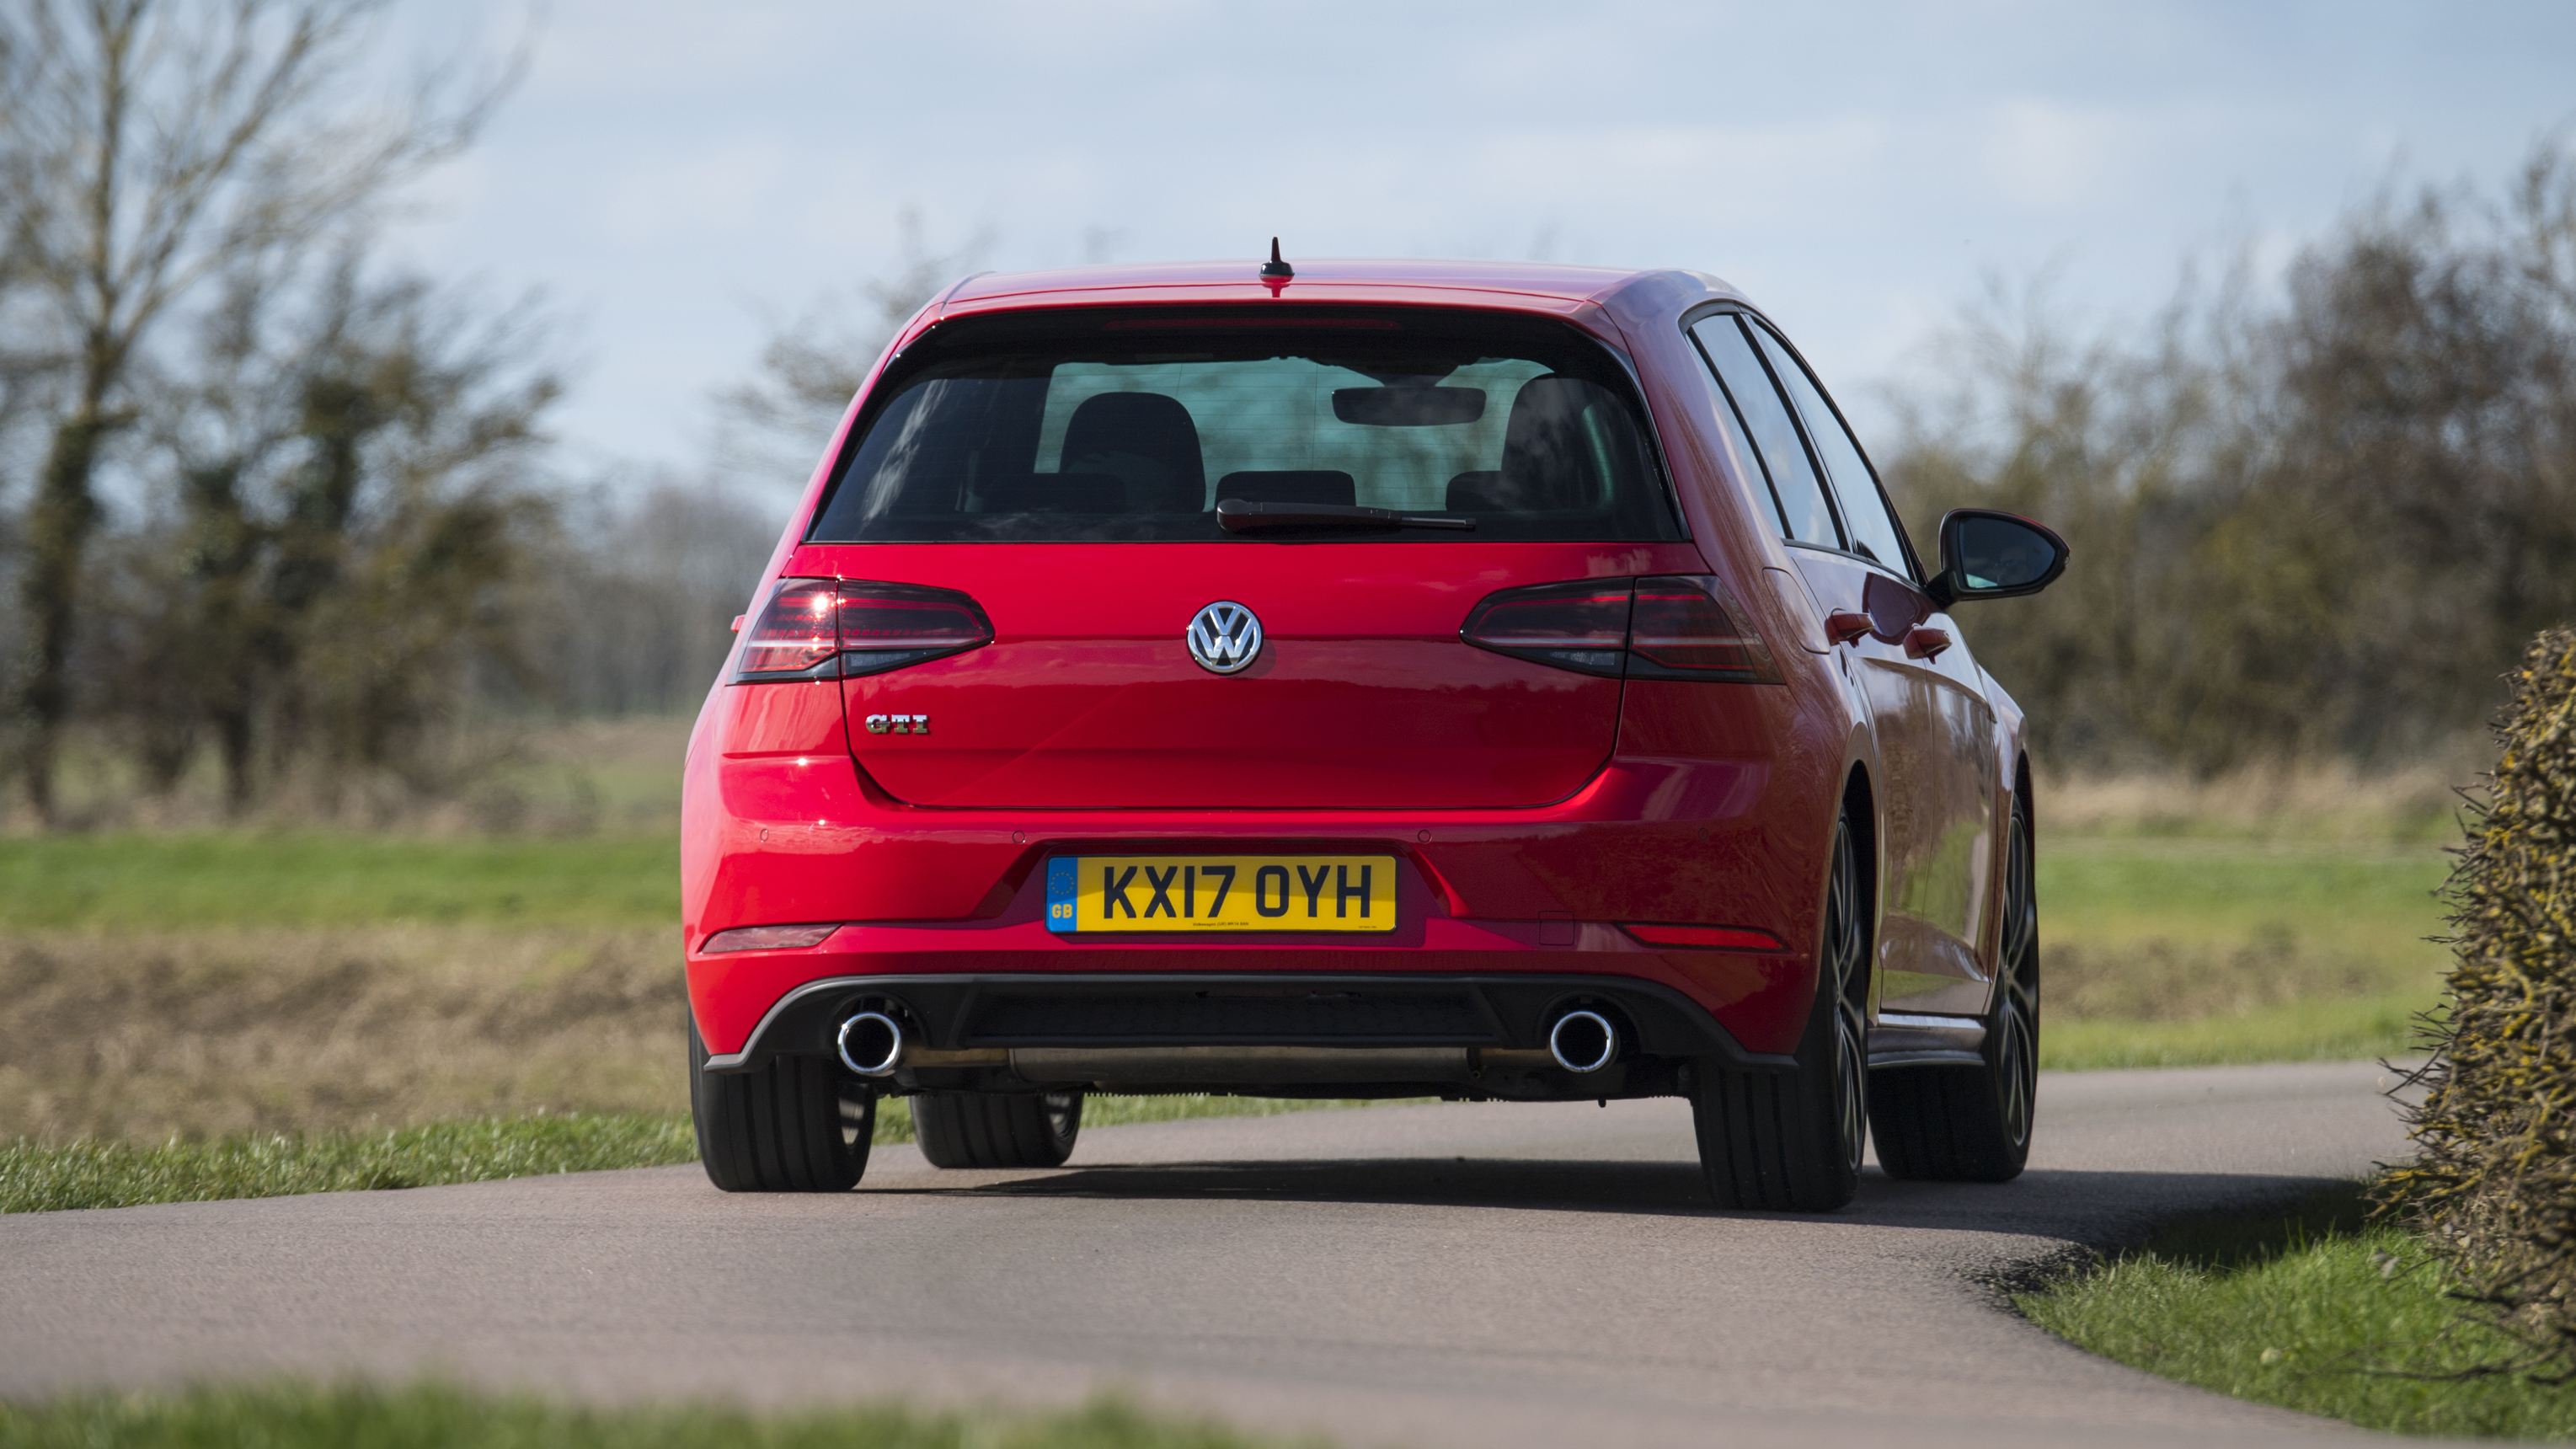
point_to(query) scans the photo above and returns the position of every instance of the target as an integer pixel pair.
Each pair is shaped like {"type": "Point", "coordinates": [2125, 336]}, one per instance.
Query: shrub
{"type": "Point", "coordinates": [2494, 1192]}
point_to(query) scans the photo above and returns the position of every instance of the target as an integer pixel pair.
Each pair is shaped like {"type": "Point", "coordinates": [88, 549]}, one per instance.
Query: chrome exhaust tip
{"type": "Point", "coordinates": [871, 1044]}
{"type": "Point", "coordinates": [1583, 1041]}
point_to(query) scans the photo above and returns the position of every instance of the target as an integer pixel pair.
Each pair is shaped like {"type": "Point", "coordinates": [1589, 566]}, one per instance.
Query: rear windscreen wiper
{"type": "Point", "coordinates": [1235, 515]}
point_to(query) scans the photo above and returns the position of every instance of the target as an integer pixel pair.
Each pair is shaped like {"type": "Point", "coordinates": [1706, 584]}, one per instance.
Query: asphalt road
{"type": "Point", "coordinates": [1428, 1276]}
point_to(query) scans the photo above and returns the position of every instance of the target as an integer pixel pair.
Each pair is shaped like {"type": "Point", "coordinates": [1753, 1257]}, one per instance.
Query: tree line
{"type": "Point", "coordinates": [276, 510]}
{"type": "Point", "coordinates": [2321, 521]}
{"type": "Point", "coordinates": [272, 506]}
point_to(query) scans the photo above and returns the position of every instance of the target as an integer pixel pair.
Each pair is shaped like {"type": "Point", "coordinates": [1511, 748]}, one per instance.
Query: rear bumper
{"type": "Point", "coordinates": [1502, 975]}
{"type": "Point", "coordinates": [1269, 1033]}
{"type": "Point", "coordinates": [805, 837]}
{"type": "Point", "coordinates": [979, 1011]}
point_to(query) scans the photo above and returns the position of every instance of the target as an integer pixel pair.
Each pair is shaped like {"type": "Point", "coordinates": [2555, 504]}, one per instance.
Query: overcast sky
{"type": "Point", "coordinates": [679, 178]}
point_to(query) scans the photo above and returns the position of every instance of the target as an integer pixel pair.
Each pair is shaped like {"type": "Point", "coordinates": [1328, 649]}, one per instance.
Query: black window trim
{"type": "Point", "coordinates": [1833, 499]}
{"type": "Point", "coordinates": [1743, 429]}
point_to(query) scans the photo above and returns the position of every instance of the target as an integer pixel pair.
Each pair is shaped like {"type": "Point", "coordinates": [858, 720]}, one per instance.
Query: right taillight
{"type": "Point", "coordinates": [1692, 628]}
{"type": "Point", "coordinates": [832, 629]}
{"type": "Point", "coordinates": [1665, 627]}
{"type": "Point", "coordinates": [1581, 626]}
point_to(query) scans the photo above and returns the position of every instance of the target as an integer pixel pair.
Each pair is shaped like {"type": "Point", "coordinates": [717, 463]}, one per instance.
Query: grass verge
{"type": "Point", "coordinates": [438, 1416]}
{"type": "Point", "coordinates": [2330, 1030]}
{"type": "Point", "coordinates": [36, 1178]}
{"type": "Point", "coordinates": [118, 1174]}
{"type": "Point", "coordinates": [131, 881]}
{"type": "Point", "coordinates": [2308, 1306]}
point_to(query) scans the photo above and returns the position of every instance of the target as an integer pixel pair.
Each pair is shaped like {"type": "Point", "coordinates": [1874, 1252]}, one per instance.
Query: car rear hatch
{"type": "Point", "coordinates": [1361, 694]}
{"type": "Point", "coordinates": [1096, 480]}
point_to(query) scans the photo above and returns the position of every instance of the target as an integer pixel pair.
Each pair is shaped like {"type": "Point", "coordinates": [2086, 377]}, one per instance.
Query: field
{"type": "Point", "coordinates": [202, 984]}
{"type": "Point", "coordinates": [2173, 952]}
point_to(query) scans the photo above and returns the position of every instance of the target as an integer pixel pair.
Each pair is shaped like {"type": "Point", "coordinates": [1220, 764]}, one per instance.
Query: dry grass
{"type": "Point", "coordinates": [2324, 803]}
{"type": "Point", "coordinates": [530, 777]}
{"type": "Point", "coordinates": [141, 1036]}
{"type": "Point", "coordinates": [2160, 979]}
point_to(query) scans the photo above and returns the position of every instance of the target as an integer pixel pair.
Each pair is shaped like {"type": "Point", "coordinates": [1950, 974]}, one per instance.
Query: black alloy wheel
{"type": "Point", "coordinates": [1973, 1123]}
{"type": "Point", "coordinates": [1792, 1141]}
{"type": "Point", "coordinates": [996, 1129]}
{"type": "Point", "coordinates": [797, 1124]}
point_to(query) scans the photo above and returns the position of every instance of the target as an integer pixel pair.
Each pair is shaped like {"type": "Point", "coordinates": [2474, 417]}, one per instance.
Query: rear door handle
{"type": "Point", "coordinates": [1925, 643]}
{"type": "Point", "coordinates": [1844, 625]}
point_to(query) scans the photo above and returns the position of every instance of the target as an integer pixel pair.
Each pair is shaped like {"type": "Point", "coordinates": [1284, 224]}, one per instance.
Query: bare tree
{"type": "Point", "coordinates": [354, 487]}
{"type": "Point", "coordinates": [809, 371]}
{"type": "Point", "coordinates": [145, 146]}
{"type": "Point", "coordinates": [2318, 525]}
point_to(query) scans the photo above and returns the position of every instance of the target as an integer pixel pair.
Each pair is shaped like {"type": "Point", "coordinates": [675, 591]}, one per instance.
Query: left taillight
{"type": "Point", "coordinates": [845, 628]}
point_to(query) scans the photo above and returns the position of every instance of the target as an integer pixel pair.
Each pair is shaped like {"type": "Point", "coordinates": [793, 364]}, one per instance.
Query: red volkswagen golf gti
{"type": "Point", "coordinates": [1377, 679]}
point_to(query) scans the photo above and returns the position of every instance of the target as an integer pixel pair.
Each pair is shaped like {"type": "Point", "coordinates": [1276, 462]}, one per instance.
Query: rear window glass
{"type": "Point", "coordinates": [1131, 425]}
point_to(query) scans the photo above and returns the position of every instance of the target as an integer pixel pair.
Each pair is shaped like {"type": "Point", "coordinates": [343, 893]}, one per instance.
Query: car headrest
{"type": "Point", "coordinates": [1146, 438]}
{"type": "Point", "coordinates": [1548, 459]}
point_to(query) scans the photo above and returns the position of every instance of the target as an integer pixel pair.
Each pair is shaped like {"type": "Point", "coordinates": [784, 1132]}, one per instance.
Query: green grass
{"type": "Point", "coordinates": [2345, 1029]}
{"type": "Point", "coordinates": [289, 1415]}
{"type": "Point", "coordinates": [2178, 952]}
{"type": "Point", "coordinates": [36, 1178]}
{"type": "Point", "coordinates": [2367, 905]}
{"type": "Point", "coordinates": [2308, 1307]}
{"type": "Point", "coordinates": [173, 882]}
{"type": "Point", "coordinates": [115, 1174]}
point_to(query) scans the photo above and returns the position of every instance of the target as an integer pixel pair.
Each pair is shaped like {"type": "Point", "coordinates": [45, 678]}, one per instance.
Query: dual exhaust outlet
{"type": "Point", "coordinates": [874, 1044]}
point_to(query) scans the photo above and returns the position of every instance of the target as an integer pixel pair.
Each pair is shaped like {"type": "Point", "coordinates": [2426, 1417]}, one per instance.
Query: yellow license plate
{"type": "Point", "coordinates": [1221, 893]}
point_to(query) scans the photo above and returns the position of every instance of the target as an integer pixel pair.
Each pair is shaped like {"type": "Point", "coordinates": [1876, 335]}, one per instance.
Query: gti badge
{"type": "Point", "coordinates": [898, 724]}
{"type": "Point", "coordinates": [1224, 637]}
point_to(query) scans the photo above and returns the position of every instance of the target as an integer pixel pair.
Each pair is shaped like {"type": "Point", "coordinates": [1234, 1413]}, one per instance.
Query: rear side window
{"type": "Point", "coordinates": [1094, 424]}
{"type": "Point", "coordinates": [1782, 454]}
{"type": "Point", "coordinates": [1873, 532]}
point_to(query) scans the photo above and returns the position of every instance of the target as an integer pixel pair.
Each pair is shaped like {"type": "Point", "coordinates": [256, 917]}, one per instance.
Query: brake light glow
{"type": "Point", "coordinates": [1666, 627]}
{"type": "Point", "coordinates": [836, 629]}
{"type": "Point", "coordinates": [1706, 938]}
{"type": "Point", "coordinates": [795, 635]}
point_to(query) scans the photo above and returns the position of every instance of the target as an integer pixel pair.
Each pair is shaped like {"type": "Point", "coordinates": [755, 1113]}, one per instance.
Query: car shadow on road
{"type": "Point", "coordinates": [2100, 1208]}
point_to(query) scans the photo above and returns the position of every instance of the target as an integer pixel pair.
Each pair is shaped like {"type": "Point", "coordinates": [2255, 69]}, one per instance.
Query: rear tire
{"type": "Point", "coordinates": [1972, 1124]}
{"type": "Point", "coordinates": [798, 1124]}
{"type": "Point", "coordinates": [1792, 1141]}
{"type": "Point", "coordinates": [997, 1129]}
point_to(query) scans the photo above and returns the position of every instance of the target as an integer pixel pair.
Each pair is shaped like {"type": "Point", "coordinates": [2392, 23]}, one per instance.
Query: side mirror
{"type": "Point", "coordinates": [1986, 554]}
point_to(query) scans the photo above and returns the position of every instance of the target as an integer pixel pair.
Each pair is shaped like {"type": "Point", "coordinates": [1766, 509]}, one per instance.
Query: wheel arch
{"type": "Point", "coordinates": [1859, 806]}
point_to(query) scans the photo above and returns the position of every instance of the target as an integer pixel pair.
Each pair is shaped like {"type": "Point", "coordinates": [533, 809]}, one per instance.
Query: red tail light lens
{"type": "Point", "coordinates": [796, 635]}
{"type": "Point", "coordinates": [1688, 628]}
{"type": "Point", "coordinates": [1579, 626]}
{"type": "Point", "coordinates": [828, 629]}
{"type": "Point", "coordinates": [887, 626]}
{"type": "Point", "coordinates": [1655, 628]}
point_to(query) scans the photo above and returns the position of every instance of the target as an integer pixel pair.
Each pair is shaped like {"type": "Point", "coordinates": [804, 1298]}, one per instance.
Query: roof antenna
{"type": "Point", "coordinates": [1275, 267]}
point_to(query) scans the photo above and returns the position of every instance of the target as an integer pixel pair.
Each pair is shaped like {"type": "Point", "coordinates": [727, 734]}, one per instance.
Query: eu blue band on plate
{"type": "Point", "coordinates": [1064, 882]}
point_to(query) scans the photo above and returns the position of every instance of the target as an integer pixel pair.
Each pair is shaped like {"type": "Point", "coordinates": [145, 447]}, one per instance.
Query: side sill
{"type": "Point", "coordinates": [1903, 1040]}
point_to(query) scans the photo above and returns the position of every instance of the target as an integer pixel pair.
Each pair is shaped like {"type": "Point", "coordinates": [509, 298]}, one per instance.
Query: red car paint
{"type": "Point", "coordinates": [1535, 812]}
